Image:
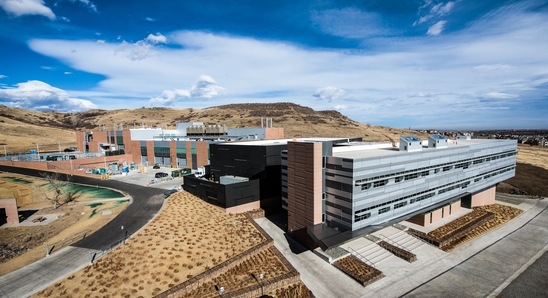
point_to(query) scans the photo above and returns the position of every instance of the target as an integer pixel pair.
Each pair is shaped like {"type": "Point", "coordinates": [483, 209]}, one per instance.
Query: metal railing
{"type": "Point", "coordinates": [105, 249]}
{"type": "Point", "coordinates": [361, 257]}
{"type": "Point", "coordinates": [66, 241]}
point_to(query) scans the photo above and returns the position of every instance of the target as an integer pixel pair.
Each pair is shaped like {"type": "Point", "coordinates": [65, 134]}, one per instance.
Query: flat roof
{"type": "Point", "coordinates": [387, 149]}
{"type": "Point", "coordinates": [280, 141]}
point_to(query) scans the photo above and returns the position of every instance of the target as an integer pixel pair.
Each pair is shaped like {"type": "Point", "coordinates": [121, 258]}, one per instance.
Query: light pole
{"type": "Point", "coordinates": [221, 291]}
{"type": "Point", "coordinates": [261, 276]}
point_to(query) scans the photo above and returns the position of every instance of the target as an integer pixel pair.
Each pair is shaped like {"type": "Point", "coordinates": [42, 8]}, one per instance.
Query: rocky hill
{"type": "Point", "coordinates": [22, 129]}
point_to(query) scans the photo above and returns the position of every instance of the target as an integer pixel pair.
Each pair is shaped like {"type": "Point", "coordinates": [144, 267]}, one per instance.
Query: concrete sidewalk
{"type": "Point", "coordinates": [474, 269]}
{"type": "Point", "coordinates": [43, 273]}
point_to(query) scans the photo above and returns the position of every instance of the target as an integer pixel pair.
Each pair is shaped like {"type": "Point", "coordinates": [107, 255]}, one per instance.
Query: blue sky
{"type": "Point", "coordinates": [419, 64]}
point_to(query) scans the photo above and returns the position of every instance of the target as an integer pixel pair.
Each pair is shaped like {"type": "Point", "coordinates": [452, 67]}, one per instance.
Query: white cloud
{"type": "Point", "coordinates": [329, 93]}
{"type": "Point", "coordinates": [150, 19]}
{"type": "Point", "coordinates": [436, 29]}
{"type": "Point", "coordinates": [40, 95]}
{"type": "Point", "coordinates": [269, 71]}
{"type": "Point", "coordinates": [65, 19]}
{"type": "Point", "coordinates": [492, 67]}
{"type": "Point", "coordinates": [349, 22]}
{"type": "Point", "coordinates": [169, 97]}
{"type": "Point", "coordinates": [158, 38]}
{"type": "Point", "coordinates": [25, 7]}
{"type": "Point", "coordinates": [90, 5]}
{"type": "Point", "coordinates": [204, 88]}
{"type": "Point", "coordinates": [67, 72]}
{"type": "Point", "coordinates": [46, 67]}
{"type": "Point", "coordinates": [499, 95]}
{"type": "Point", "coordinates": [436, 11]}
{"type": "Point", "coordinates": [141, 49]}
{"type": "Point", "coordinates": [100, 41]}
{"type": "Point", "coordinates": [340, 107]}
{"type": "Point", "coordinates": [3, 76]}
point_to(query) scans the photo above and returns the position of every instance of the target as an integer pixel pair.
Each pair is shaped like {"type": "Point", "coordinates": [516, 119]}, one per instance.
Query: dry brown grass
{"type": "Point", "coordinates": [533, 155]}
{"type": "Point", "coordinates": [20, 129]}
{"type": "Point", "coordinates": [358, 270]}
{"type": "Point", "coordinates": [188, 237]}
{"type": "Point", "coordinates": [502, 213]}
{"type": "Point", "coordinates": [242, 275]}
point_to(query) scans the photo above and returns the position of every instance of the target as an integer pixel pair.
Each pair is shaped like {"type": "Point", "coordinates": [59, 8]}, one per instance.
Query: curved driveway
{"type": "Point", "coordinates": [147, 201]}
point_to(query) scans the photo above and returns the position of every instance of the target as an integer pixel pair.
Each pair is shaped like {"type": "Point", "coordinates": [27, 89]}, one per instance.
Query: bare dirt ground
{"type": "Point", "coordinates": [23, 245]}
{"type": "Point", "coordinates": [531, 173]}
{"type": "Point", "coordinates": [187, 238]}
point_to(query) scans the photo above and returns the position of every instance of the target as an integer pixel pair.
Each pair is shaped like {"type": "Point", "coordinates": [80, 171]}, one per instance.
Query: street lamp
{"type": "Point", "coordinates": [261, 276]}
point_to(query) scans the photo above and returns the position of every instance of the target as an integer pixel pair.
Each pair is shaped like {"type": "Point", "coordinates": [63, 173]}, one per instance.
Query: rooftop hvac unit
{"type": "Point", "coordinates": [410, 143]}
{"type": "Point", "coordinates": [437, 141]}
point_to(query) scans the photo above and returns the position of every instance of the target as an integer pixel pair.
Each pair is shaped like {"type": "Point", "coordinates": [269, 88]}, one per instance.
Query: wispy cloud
{"type": "Point", "coordinates": [41, 96]}
{"type": "Point", "coordinates": [3, 76]}
{"type": "Point", "coordinates": [27, 7]}
{"type": "Point", "coordinates": [499, 95]}
{"type": "Point", "coordinates": [435, 11]}
{"type": "Point", "coordinates": [88, 4]}
{"type": "Point", "coordinates": [436, 29]}
{"type": "Point", "coordinates": [150, 19]}
{"type": "Point", "coordinates": [349, 22]}
{"type": "Point", "coordinates": [493, 67]}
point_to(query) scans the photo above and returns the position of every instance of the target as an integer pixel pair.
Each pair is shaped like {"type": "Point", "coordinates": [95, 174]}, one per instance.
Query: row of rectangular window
{"type": "Point", "coordinates": [435, 188]}
{"type": "Point", "coordinates": [486, 157]}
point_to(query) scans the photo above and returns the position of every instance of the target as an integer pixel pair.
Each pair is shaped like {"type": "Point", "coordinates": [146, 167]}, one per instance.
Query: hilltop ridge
{"type": "Point", "coordinates": [21, 129]}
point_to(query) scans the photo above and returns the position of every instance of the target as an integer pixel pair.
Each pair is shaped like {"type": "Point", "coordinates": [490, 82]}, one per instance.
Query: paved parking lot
{"type": "Point", "coordinates": [147, 178]}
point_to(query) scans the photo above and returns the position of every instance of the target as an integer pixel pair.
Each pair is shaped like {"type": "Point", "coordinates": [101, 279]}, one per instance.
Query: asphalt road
{"type": "Point", "coordinates": [146, 203]}
{"type": "Point", "coordinates": [530, 283]}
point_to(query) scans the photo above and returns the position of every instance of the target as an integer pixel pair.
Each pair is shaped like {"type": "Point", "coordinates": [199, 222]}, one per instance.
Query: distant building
{"type": "Point", "coordinates": [185, 146]}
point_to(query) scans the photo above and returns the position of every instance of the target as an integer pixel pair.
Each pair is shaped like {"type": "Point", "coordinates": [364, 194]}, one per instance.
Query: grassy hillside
{"type": "Point", "coordinates": [21, 129]}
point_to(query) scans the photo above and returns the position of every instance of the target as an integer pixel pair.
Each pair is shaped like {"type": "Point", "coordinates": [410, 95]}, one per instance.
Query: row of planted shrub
{"type": "Point", "coordinates": [399, 252]}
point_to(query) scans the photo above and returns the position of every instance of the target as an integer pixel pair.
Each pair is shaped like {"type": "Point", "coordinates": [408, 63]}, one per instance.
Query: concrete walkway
{"type": "Point", "coordinates": [146, 203]}
{"type": "Point", "coordinates": [43, 273]}
{"type": "Point", "coordinates": [474, 269]}
{"type": "Point", "coordinates": [485, 271]}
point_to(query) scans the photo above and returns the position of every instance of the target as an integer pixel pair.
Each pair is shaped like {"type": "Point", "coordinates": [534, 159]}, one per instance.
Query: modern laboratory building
{"type": "Point", "coordinates": [336, 191]}
{"type": "Point", "coordinates": [185, 146]}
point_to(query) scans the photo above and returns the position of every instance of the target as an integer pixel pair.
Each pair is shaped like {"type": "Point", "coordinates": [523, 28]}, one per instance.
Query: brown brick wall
{"type": "Point", "coordinates": [304, 184]}
{"type": "Point", "coordinates": [80, 141]}
{"type": "Point", "coordinates": [150, 152]}
{"type": "Point", "coordinates": [173, 154]}
{"type": "Point", "coordinates": [486, 197]}
{"type": "Point", "coordinates": [201, 153]}
{"type": "Point", "coordinates": [10, 205]}
{"type": "Point", "coordinates": [272, 133]}
{"type": "Point", "coordinates": [188, 154]}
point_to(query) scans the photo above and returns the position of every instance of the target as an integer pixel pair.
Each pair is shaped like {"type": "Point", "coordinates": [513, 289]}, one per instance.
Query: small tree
{"type": "Point", "coordinates": [61, 192]}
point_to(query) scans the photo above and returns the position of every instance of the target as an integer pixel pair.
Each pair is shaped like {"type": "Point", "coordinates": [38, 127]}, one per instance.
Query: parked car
{"type": "Point", "coordinates": [169, 192]}
{"type": "Point", "coordinates": [161, 175]}
{"type": "Point", "coordinates": [156, 166]}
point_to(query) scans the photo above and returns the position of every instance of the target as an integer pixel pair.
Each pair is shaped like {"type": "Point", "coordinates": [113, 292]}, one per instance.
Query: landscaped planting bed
{"type": "Point", "coordinates": [292, 291]}
{"type": "Point", "coordinates": [398, 252]}
{"type": "Point", "coordinates": [469, 226]}
{"type": "Point", "coordinates": [245, 274]}
{"type": "Point", "coordinates": [358, 270]}
{"type": "Point", "coordinates": [187, 238]}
